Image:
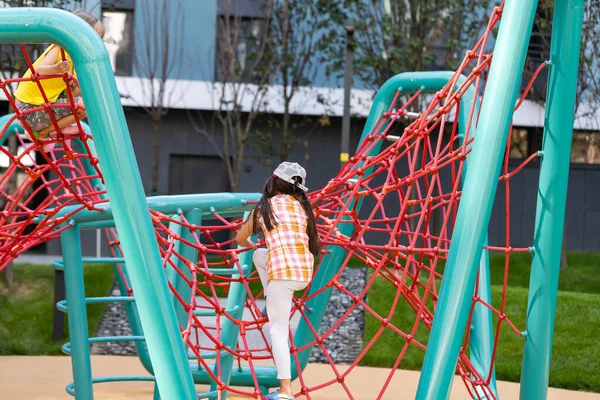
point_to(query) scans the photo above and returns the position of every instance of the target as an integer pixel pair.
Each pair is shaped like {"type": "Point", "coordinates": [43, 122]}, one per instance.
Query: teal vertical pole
{"type": "Point", "coordinates": [482, 332]}
{"type": "Point", "coordinates": [194, 217]}
{"type": "Point", "coordinates": [123, 182]}
{"type": "Point", "coordinates": [78, 323]}
{"type": "Point", "coordinates": [230, 331]}
{"type": "Point", "coordinates": [475, 207]}
{"type": "Point", "coordinates": [172, 275]}
{"type": "Point", "coordinates": [552, 197]}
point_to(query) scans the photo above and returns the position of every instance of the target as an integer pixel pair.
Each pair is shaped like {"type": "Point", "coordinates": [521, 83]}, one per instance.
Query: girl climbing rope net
{"type": "Point", "coordinates": [46, 104]}
{"type": "Point", "coordinates": [285, 216]}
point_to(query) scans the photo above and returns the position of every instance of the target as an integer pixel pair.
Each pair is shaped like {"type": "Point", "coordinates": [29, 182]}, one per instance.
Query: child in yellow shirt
{"type": "Point", "coordinates": [28, 95]}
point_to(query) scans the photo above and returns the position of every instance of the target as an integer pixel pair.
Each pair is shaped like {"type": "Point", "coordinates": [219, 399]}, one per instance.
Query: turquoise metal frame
{"type": "Point", "coordinates": [201, 205]}
{"type": "Point", "coordinates": [78, 324]}
{"type": "Point", "coordinates": [552, 197]}
{"type": "Point", "coordinates": [122, 177]}
{"type": "Point", "coordinates": [479, 192]}
{"type": "Point", "coordinates": [475, 207]}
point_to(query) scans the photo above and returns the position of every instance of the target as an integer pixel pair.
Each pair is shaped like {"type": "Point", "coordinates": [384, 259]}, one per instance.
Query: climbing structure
{"type": "Point", "coordinates": [393, 209]}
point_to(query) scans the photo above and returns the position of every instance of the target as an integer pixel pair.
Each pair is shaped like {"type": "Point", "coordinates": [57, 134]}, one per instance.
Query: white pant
{"type": "Point", "coordinates": [279, 295]}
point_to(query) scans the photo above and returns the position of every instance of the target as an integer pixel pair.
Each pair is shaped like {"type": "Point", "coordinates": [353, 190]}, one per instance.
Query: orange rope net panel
{"type": "Point", "coordinates": [408, 194]}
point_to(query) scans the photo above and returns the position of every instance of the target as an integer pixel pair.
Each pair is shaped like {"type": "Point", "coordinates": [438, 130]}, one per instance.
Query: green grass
{"type": "Point", "coordinates": [575, 351]}
{"type": "Point", "coordinates": [26, 308]}
{"type": "Point", "coordinates": [582, 274]}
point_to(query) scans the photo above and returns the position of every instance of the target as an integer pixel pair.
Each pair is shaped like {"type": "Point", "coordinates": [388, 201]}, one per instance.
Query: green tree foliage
{"type": "Point", "coordinates": [244, 71]}
{"type": "Point", "coordinates": [396, 36]}
{"type": "Point", "coordinates": [294, 45]}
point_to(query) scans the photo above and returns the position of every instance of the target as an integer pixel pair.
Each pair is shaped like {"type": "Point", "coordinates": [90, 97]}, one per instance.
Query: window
{"type": "Point", "coordinates": [518, 145]}
{"type": "Point", "coordinates": [525, 141]}
{"type": "Point", "coordinates": [119, 35]}
{"type": "Point", "coordinates": [244, 34]}
{"type": "Point", "coordinates": [586, 148]}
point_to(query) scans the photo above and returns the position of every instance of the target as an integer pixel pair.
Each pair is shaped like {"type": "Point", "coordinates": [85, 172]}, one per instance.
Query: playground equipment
{"type": "Point", "coordinates": [172, 272]}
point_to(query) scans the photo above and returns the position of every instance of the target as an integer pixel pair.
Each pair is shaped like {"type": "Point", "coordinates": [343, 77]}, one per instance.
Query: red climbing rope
{"type": "Point", "coordinates": [401, 234]}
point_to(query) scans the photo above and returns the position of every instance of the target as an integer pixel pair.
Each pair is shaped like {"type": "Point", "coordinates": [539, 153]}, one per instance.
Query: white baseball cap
{"type": "Point", "coordinates": [288, 170]}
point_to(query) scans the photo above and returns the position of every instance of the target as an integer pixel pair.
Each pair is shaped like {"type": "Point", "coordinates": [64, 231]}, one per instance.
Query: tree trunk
{"type": "Point", "coordinates": [11, 189]}
{"type": "Point", "coordinates": [156, 153]}
{"type": "Point", "coordinates": [235, 184]}
{"type": "Point", "coordinates": [286, 145]}
{"type": "Point", "coordinates": [564, 264]}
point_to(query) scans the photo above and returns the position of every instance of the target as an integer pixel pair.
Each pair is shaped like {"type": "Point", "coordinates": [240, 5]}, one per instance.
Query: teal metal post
{"type": "Point", "coordinates": [78, 322]}
{"type": "Point", "coordinates": [194, 217]}
{"type": "Point", "coordinates": [123, 182]}
{"type": "Point", "coordinates": [475, 207]}
{"type": "Point", "coordinates": [230, 331]}
{"type": "Point", "coordinates": [552, 197]}
{"type": "Point", "coordinates": [407, 82]}
{"type": "Point", "coordinates": [482, 332]}
{"type": "Point", "coordinates": [172, 275]}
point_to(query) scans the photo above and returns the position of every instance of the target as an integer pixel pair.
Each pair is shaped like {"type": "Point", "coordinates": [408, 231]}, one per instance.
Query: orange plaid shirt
{"type": "Point", "coordinates": [288, 256]}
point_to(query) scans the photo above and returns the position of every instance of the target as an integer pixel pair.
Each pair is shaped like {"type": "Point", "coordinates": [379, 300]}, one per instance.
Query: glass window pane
{"type": "Point", "coordinates": [585, 148]}
{"type": "Point", "coordinates": [119, 40]}
{"type": "Point", "coordinates": [518, 145]}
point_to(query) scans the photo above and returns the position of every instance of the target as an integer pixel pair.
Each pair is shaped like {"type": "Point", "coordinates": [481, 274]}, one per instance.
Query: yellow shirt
{"type": "Point", "coordinates": [29, 92]}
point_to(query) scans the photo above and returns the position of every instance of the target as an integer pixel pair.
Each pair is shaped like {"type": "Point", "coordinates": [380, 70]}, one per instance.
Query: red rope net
{"type": "Point", "coordinates": [418, 175]}
{"type": "Point", "coordinates": [43, 176]}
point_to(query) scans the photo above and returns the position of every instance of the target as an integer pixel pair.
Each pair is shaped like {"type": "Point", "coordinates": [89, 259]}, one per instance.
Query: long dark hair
{"type": "Point", "coordinates": [275, 186]}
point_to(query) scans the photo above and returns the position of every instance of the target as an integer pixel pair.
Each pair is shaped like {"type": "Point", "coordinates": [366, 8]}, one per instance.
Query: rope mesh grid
{"type": "Point", "coordinates": [418, 175]}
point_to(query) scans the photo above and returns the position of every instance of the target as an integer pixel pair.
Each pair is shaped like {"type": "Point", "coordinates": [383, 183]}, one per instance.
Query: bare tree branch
{"type": "Point", "coordinates": [244, 72]}
{"type": "Point", "coordinates": [157, 62]}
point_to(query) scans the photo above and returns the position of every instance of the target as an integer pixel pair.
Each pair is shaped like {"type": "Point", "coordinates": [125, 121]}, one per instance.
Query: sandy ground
{"type": "Point", "coordinates": [44, 378]}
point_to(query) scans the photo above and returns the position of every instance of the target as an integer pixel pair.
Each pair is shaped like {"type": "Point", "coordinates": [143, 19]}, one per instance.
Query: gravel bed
{"type": "Point", "coordinates": [346, 342]}
{"type": "Point", "coordinates": [343, 345]}
{"type": "Point", "coordinates": [114, 322]}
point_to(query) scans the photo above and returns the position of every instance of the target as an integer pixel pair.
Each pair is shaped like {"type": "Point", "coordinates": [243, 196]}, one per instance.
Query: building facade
{"type": "Point", "coordinates": [191, 163]}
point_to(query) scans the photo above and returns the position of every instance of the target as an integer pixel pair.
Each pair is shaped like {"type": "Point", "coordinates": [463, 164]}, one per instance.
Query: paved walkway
{"type": "Point", "coordinates": [44, 378]}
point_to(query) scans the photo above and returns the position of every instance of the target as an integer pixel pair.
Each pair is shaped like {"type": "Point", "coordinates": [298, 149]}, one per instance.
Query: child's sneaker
{"type": "Point", "coordinates": [277, 396]}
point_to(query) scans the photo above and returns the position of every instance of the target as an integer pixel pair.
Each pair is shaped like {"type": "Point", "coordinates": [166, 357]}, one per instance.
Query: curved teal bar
{"type": "Point", "coordinates": [475, 207]}
{"type": "Point", "coordinates": [407, 82]}
{"type": "Point", "coordinates": [223, 202]}
{"type": "Point", "coordinates": [11, 130]}
{"type": "Point", "coordinates": [551, 197]}
{"type": "Point", "coordinates": [122, 178]}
